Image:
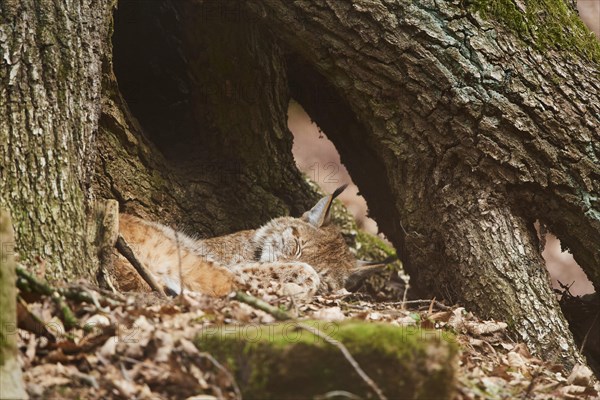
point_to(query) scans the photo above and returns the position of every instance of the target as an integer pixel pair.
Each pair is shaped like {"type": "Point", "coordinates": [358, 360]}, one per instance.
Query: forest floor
{"type": "Point", "coordinates": [140, 346]}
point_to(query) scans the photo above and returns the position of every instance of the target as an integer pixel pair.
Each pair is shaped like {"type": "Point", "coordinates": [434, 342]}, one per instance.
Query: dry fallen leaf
{"type": "Point", "coordinates": [580, 375]}
{"type": "Point", "coordinates": [329, 314]}
{"type": "Point", "coordinates": [151, 355]}
{"type": "Point", "coordinates": [517, 361]}
{"type": "Point", "coordinates": [485, 328]}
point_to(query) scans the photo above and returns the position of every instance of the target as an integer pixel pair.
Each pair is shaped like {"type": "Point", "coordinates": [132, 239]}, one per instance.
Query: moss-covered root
{"type": "Point", "coordinates": [284, 362]}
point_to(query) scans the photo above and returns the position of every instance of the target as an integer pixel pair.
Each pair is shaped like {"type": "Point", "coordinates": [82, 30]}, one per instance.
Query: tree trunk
{"type": "Point", "coordinates": [199, 137]}
{"type": "Point", "coordinates": [461, 133]}
{"type": "Point", "coordinates": [11, 381]}
{"type": "Point", "coordinates": [49, 109]}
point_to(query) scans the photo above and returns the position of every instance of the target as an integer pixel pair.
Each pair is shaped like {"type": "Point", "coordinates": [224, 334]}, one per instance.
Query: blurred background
{"type": "Point", "coordinates": [318, 158]}
{"type": "Point", "coordinates": [589, 10]}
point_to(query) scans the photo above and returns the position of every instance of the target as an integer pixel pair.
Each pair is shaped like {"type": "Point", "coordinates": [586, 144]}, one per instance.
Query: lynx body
{"type": "Point", "coordinates": [286, 256]}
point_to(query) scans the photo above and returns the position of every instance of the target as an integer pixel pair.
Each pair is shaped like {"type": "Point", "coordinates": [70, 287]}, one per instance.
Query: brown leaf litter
{"type": "Point", "coordinates": [141, 347]}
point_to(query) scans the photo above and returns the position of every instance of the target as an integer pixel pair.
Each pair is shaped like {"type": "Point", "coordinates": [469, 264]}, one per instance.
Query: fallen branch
{"type": "Point", "coordinates": [283, 316]}
{"type": "Point", "coordinates": [348, 357]}
{"type": "Point", "coordinates": [424, 301]}
{"type": "Point", "coordinates": [28, 283]}
{"type": "Point", "coordinates": [69, 318]}
{"type": "Point", "coordinates": [95, 296]}
{"type": "Point", "coordinates": [126, 251]}
{"type": "Point", "coordinates": [279, 315]}
{"type": "Point", "coordinates": [220, 367]}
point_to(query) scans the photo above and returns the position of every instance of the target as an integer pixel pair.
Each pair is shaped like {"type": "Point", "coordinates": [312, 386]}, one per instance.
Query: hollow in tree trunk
{"type": "Point", "coordinates": [462, 124]}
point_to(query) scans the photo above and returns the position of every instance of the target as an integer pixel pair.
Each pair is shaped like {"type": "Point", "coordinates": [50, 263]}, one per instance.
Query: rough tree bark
{"type": "Point", "coordinates": [460, 133]}
{"type": "Point", "coordinates": [201, 140]}
{"type": "Point", "coordinates": [49, 108]}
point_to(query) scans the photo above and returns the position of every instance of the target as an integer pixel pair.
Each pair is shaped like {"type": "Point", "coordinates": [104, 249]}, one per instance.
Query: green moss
{"type": "Point", "coordinates": [365, 245]}
{"type": "Point", "coordinates": [284, 362]}
{"type": "Point", "coordinates": [371, 247]}
{"type": "Point", "coordinates": [552, 24]}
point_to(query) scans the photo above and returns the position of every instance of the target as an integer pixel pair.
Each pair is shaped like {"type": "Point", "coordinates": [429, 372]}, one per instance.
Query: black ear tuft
{"type": "Point", "coordinates": [335, 194]}
{"type": "Point", "coordinates": [339, 190]}
{"type": "Point", "coordinates": [319, 214]}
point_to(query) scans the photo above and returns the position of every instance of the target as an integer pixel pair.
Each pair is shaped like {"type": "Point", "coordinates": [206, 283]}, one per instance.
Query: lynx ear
{"type": "Point", "coordinates": [319, 214]}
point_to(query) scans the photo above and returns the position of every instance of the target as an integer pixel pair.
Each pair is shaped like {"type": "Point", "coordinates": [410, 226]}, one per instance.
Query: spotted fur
{"type": "Point", "coordinates": [286, 256]}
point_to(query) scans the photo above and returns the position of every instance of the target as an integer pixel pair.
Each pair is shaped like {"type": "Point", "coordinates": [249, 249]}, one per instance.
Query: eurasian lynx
{"type": "Point", "coordinates": [286, 256]}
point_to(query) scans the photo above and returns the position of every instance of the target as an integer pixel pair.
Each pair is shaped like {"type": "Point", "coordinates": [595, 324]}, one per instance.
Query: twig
{"type": "Point", "coordinates": [79, 294]}
{"type": "Point", "coordinates": [126, 251]}
{"type": "Point", "coordinates": [426, 301]}
{"type": "Point", "coordinates": [283, 316]}
{"type": "Point", "coordinates": [220, 367]}
{"type": "Point", "coordinates": [105, 295]}
{"type": "Point", "coordinates": [68, 317]}
{"type": "Point", "coordinates": [28, 283]}
{"type": "Point", "coordinates": [262, 305]}
{"type": "Point", "coordinates": [532, 384]}
{"type": "Point", "coordinates": [405, 296]}
{"type": "Point", "coordinates": [489, 345]}
{"type": "Point", "coordinates": [96, 297]}
{"type": "Point", "coordinates": [348, 357]}
{"type": "Point", "coordinates": [430, 310]}
{"type": "Point", "coordinates": [587, 334]}
{"type": "Point", "coordinates": [88, 295]}
{"type": "Point", "coordinates": [31, 284]}
{"type": "Point", "coordinates": [89, 379]}
{"type": "Point", "coordinates": [181, 284]}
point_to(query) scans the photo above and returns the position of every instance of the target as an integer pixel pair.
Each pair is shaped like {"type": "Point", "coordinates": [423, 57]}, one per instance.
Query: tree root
{"type": "Point", "coordinates": [283, 316]}
{"type": "Point", "coordinates": [279, 314]}
{"type": "Point", "coordinates": [348, 356]}
{"type": "Point", "coordinates": [28, 283]}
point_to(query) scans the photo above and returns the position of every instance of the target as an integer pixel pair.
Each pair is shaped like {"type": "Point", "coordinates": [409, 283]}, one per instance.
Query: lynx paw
{"type": "Point", "coordinates": [296, 279]}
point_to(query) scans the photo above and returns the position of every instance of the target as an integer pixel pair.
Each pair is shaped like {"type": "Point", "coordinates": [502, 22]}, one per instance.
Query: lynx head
{"type": "Point", "coordinates": [310, 239]}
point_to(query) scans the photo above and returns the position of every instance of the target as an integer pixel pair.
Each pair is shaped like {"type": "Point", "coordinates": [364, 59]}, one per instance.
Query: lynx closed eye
{"type": "Point", "coordinates": [286, 256]}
